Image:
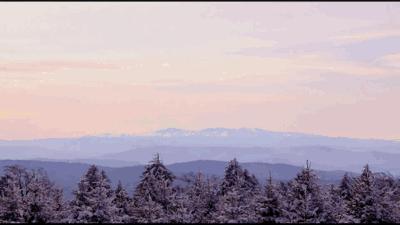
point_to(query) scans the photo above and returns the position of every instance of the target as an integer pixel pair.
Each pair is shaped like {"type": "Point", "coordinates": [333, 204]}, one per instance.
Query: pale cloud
{"type": "Point", "coordinates": [51, 65]}
{"type": "Point", "coordinates": [357, 37]}
{"type": "Point", "coordinates": [391, 60]}
{"type": "Point", "coordinates": [165, 64]}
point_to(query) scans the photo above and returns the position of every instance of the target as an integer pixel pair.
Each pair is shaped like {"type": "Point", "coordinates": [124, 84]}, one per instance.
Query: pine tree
{"type": "Point", "coordinates": [364, 202]}
{"type": "Point", "coordinates": [387, 206]}
{"type": "Point", "coordinates": [395, 199]}
{"type": "Point", "coordinates": [305, 203]}
{"type": "Point", "coordinates": [269, 204]}
{"type": "Point", "coordinates": [106, 210]}
{"type": "Point", "coordinates": [153, 199]}
{"type": "Point", "coordinates": [93, 199]}
{"type": "Point", "coordinates": [181, 210]}
{"type": "Point", "coordinates": [336, 207]}
{"type": "Point", "coordinates": [229, 207]}
{"type": "Point", "coordinates": [345, 188]}
{"type": "Point", "coordinates": [201, 199]}
{"type": "Point", "coordinates": [40, 198]}
{"type": "Point", "coordinates": [122, 203]}
{"type": "Point", "coordinates": [13, 194]}
{"type": "Point", "coordinates": [60, 207]}
{"type": "Point", "coordinates": [237, 196]}
{"type": "Point", "coordinates": [235, 175]}
{"type": "Point", "coordinates": [28, 196]}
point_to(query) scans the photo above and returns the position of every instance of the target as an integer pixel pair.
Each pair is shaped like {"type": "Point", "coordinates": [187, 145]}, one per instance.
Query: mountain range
{"type": "Point", "coordinates": [246, 144]}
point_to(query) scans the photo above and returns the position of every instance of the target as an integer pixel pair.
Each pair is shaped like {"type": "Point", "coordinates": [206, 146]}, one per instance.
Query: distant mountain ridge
{"type": "Point", "coordinates": [225, 132]}
{"type": "Point", "coordinates": [247, 144]}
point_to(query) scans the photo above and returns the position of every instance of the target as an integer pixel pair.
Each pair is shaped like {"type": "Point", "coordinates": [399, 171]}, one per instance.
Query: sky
{"type": "Point", "coordinates": [69, 69]}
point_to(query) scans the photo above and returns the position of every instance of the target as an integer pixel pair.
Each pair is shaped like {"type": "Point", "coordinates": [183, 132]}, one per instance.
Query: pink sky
{"type": "Point", "coordinates": [71, 69]}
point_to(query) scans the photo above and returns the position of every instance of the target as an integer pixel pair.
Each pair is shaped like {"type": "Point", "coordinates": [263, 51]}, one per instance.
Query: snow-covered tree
{"type": "Point", "coordinates": [41, 197]}
{"type": "Point", "coordinates": [237, 196]}
{"type": "Point", "coordinates": [345, 187]}
{"type": "Point", "coordinates": [336, 207]}
{"type": "Point", "coordinates": [93, 199]}
{"type": "Point", "coordinates": [269, 205]}
{"type": "Point", "coordinates": [13, 193]}
{"type": "Point", "coordinates": [180, 212]}
{"type": "Point", "coordinates": [153, 199]}
{"type": "Point", "coordinates": [230, 207]}
{"type": "Point", "coordinates": [122, 203]}
{"type": "Point", "coordinates": [29, 196]}
{"type": "Point", "coordinates": [235, 175]}
{"type": "Point", "coordinates": [364, 201]}
{"type": "Point", "coordinates": [387, 201]}
{"type": "Point", "coordinates": [59, 205]}
{"type": "Point", "coordinates": [395, 199]}
{"type": "Point", "coordinates": [305, 202]}
{"type": "Point", "coordinates": [201, 198]}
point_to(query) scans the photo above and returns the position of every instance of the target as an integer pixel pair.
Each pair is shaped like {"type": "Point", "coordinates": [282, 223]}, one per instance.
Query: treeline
{"type": "Point", "coordinates": [29, 196]}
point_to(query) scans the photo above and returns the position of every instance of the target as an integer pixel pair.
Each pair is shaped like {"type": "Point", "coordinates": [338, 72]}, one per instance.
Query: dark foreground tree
{"type": "Point", "coordinates": [237, 197]}
{"type": "Point", "coordinates": [363, 202]}
{"type": "Point", "coordinates": [13, 194]}
{"type": "Point", "coordinates": [92, 202]}
{"type": "Point", "coordinates": [201, 199]}
{"type": "Point", "coordinates": [336, 207]}
{"type": "Point", "coordinates": [154, 197]}
{"type": "Point", "coordinates": [29, 197]}
{"type": "Point", "coordinates": [269, 204]}
{"type": "Point", "coordinates": [122, 203]}
{"type": "Point", "coordinates": [43, 200]}
{"type": "Point", "coordinates": [305, 202]}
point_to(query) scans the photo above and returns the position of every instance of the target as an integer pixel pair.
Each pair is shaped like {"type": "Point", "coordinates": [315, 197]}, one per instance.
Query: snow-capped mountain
{"type": "Point", "coordinates": [172, 132]}
{"type": "Point", "coordinates": [215, 132]}
{"type": "Point", "coordinates": [254, 137]}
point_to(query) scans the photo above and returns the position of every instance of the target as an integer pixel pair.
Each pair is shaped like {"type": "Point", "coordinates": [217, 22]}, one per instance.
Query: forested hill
{"type": "Point", "coordinates": [67, 175]}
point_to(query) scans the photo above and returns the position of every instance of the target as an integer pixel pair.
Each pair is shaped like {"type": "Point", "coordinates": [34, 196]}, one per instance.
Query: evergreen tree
{"type": "Point", "coordinates": [230, 207]}
{"type": "Point", "coordinates": [234, 176]}
{"type": "Point", "coordinates": [237, 197]}
{"type": "Point", "coordinates": [387, 204]}
{"type": "Point", "coordinates": [154, 197]}
{"type": "Point", "coordinates": [269, 204]}
{"type": "Point", "coordinates": [28, 196]}
{"type": "Point", "coordinates": [336, 207]}
{"type": "Point", "coordinates": [345, 188]}
{"type": "Point", "coordinates": [122, 203]}
{"type": "Point", "coordinates": [41, 197]}
{"type": "Point", "coordinates": [59, 205]}
{"type": "Point", "coordinates": [13, 193]}
{"type": "Point", "coordinates": [93, 199]}
{"type": "Point", "coordinates": [201, 199]}
{"type": "Point", "coordinates": [395, 199]}
{"type": "Point", "coordinates": [305, 203]}
{"type": "Point", "coordinates": [181, 211]}
{"type": "Point", "coordinates": [364, 202]}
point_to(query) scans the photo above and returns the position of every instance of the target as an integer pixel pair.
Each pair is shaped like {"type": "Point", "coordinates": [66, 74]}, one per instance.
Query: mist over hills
{"type": "Point", "coordinates": [247, 145]}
